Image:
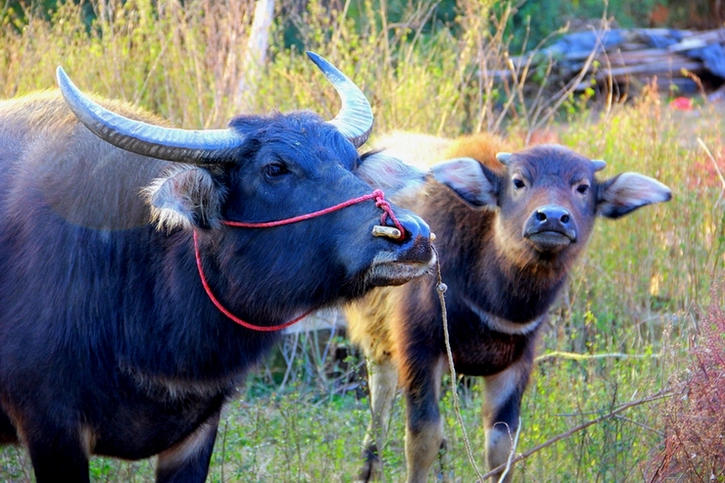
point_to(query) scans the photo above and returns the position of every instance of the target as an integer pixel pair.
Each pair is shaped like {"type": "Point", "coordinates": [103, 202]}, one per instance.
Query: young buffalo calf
{"type": "Point", "coordinates": [509, 227]}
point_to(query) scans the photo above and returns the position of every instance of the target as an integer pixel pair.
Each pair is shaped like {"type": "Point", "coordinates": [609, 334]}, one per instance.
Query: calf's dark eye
{"type": "Point", "coordinates": [582, 188]}
{"type": "Point", "coordinates": [519, 183]}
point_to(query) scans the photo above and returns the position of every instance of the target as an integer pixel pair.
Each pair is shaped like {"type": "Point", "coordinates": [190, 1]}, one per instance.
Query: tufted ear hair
{"type": "Point", "coordinates": [626, 192]}
{"type": "Point", "coordinates": [185, 197]}
{"type": "Point", "coordinates": [390, 174]}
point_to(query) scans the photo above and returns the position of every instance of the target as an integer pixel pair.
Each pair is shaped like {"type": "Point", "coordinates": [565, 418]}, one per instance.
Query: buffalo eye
{"type": "Point", "coordinates": [274, 170]}
{"type": "Point", "coordinates": [582, 189]}
{"type": "Point", "coordinates": [518, 183]}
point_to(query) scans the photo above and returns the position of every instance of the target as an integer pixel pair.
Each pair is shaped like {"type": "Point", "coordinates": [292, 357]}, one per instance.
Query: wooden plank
{"type": "Point", "coordinates": [655, 68]}
{"type": "Point", "coordinates": [699, 40]}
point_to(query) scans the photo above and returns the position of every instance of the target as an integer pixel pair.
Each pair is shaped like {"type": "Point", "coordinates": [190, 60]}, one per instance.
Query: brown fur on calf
{"type": "Point", "coordinates": [509, 228]}
{"type": "Point", "coordinates": [422, 150]}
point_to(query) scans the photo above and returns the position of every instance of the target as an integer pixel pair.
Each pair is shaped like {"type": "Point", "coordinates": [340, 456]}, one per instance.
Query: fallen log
{"type": "Point", "coordinates": [624, 55]}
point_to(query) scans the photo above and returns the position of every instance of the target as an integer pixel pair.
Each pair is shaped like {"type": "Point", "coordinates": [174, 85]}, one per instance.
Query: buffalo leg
{"type": "Point", "coordinates": [501, 412]}
{"type": "Point", "coordinates": [424, 427]}
{"type": "Point", "coordinates": [7, 430]}
{"type": "Point", "coordinates": [383, 382]}
{"type": "Point", "coordinates": [188, 460]}
{"type": "Point", "coordinates": [446, 470]}
{"type": "Point", "coordinates": [57, 454]}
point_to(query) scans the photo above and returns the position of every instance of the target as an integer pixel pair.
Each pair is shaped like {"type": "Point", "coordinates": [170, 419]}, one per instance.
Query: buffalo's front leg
{"type": "Point", "coordinates": [383, 382]}
{"type": "Point", "coordinates": [188, 460]}
{"type": "Point", "coordinates": [501, 411]}
{"type": "Point", "coordinates": [424, 428]}
{"type": "Point", "coordinates": [7, 430]}
{"type": "Point", "coordinates": [58, 453]}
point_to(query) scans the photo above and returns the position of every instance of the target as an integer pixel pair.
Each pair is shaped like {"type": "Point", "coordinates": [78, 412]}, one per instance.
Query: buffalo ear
{"type": "Point", "coordinates": [626, 192]}
{"type": "Point", "coordinates": [469, 180]}
{"type": "Point", "coordinates": [390, 174]}
{"type": "Point", "coordinates": [185, 197]}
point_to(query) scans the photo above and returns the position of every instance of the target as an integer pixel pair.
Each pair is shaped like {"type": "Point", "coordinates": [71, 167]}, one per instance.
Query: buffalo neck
{"type": "Point", "coordinates": [199, 340]}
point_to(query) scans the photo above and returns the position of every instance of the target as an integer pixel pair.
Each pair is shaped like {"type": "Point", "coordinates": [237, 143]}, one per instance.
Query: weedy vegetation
{"type": "Point", "coordinates": [642, 315]}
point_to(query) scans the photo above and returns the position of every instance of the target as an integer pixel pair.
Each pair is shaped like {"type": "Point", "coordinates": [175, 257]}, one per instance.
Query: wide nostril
{"type": "Point", "coordinates": [552, 214]}
{"type": "Point", "coordinates": [547, 220]}
{"type": "Point", "coordinates": [414, 228]}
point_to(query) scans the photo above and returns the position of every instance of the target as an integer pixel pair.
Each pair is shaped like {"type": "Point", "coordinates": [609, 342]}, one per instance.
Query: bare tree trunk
{"type": "Point", "coordinates": [255, 55]}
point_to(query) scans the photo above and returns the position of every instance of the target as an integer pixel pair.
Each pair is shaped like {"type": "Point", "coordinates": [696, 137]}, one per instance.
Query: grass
{"type": "Point", "coordinates": [635, 298]}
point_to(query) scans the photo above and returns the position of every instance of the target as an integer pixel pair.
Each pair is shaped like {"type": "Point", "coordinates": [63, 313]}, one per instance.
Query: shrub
{"type": "Point", "coordinates": [694, 419]}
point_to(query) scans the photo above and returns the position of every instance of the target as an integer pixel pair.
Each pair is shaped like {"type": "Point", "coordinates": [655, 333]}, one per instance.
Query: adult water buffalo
{"type": "Point", "coordinates": [509, 228]}
{"type": "Point", "coordinates": [121, 266]}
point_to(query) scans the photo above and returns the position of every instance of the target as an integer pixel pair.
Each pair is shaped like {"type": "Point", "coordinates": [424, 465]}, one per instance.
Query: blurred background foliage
{"type": "Point", "coordinates": [549, 15]}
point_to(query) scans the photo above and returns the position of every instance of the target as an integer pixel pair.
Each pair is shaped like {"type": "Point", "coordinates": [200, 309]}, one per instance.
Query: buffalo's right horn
{"type": "Point", "coordinates": [355, 119]}
{"type": "Point", "coordinates": [503, 158]}
{"type": "Point", "coordinates": [189, 146]}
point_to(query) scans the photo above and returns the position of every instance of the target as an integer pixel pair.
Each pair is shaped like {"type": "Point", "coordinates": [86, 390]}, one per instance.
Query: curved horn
{"type": "Point", "coordinates": [169, 144]}
{"type": "Point", "coordinates": [503, 158]}
{"type": "Point", "coordinates": [599, 164]}
{"type": "Point", "coordinates": [355, 119]}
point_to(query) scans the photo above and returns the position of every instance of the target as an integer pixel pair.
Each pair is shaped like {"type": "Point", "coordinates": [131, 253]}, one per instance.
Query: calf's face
{"type": "Point", "coordinates": [547, 198]}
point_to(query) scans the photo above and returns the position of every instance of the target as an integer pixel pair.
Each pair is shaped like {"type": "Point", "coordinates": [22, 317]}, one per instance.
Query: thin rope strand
{"type": "Point", "coordinates": [441, 289]}
{"type": "Point", "coordinates": [226, 312]}
{"type": "Point", "coordinates": [376, 195]}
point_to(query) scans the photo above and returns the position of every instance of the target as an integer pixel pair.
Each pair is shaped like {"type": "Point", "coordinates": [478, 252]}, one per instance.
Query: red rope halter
{"type": "Point", "coordinates": [380, 202]}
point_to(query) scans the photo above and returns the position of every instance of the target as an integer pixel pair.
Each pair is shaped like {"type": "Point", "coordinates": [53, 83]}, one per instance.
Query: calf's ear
{"type": "Point", "coordinates": [626, 192]}
{"type": "Point", "coordinates": [389, 173]}
{"type": "Point", "coordinates": [186, 197]}
{"type": "Point", "coordinates": [469, 180]}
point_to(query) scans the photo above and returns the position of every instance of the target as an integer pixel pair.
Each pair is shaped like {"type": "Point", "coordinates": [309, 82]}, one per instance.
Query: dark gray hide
{"type": "Point", "coordinates": [108, 343]}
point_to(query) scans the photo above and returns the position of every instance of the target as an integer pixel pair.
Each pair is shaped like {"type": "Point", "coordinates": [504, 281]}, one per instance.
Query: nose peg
{"type": "Point", "coordinates": [392, 232]}
{"type": "Point", "coordinates": [387, 232]}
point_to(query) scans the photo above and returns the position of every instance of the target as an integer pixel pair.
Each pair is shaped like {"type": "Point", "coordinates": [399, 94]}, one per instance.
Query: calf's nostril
{"type": "Point", "coordinates": [552, 216]}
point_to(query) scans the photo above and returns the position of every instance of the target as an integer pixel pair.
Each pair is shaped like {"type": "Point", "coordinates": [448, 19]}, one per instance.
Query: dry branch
{"type": "Point", "coordinates": [654, 397]}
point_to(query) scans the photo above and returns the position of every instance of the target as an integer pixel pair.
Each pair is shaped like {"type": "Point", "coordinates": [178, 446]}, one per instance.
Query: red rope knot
{"type": "Point", "coordinates": [382, 203]}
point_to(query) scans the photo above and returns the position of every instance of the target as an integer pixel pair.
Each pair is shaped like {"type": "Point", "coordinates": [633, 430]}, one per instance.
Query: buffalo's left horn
{"type": "Point", "coordinates": [355, 119]}
{"type": "Point", "coordinates": [189, 146]}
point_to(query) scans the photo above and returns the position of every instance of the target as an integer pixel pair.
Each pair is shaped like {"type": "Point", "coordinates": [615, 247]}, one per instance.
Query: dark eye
{"type": "Point", "coordinates": [582, 188]}
{"type": "Point", "coordinates": [518, 183]}
{"type": "Point", "coordinates": [274, 170]}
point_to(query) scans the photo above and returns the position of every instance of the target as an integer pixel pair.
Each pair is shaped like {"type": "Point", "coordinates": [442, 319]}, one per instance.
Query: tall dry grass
{"type": "Point", "coordinates": [185, 61]}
